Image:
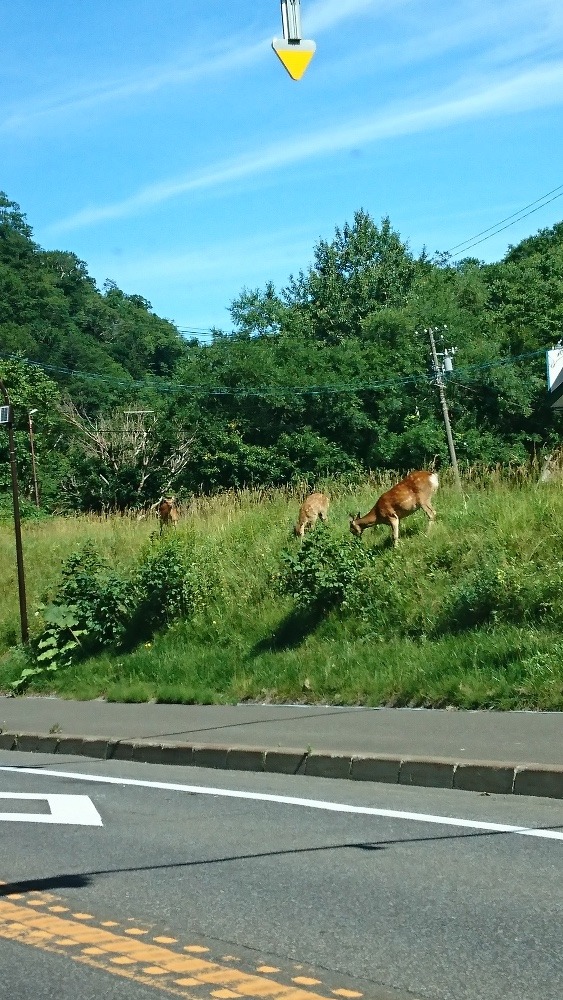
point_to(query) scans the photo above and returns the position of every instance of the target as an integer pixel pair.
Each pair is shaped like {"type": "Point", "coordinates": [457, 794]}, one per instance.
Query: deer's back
{"type": "Point", "coordinates": [316, 503]}
{"type": "Point", "coordinates": [407, 496]}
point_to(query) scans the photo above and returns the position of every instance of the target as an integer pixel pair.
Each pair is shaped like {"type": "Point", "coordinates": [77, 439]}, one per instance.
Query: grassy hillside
{"type": "Point", "coordinates": [469, 615]}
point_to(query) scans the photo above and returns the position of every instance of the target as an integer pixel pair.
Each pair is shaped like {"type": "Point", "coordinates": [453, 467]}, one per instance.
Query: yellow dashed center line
{"type": "Point", "coordinates": [347, 993]}
{"type": "Point", "coordinates": [142, 961]}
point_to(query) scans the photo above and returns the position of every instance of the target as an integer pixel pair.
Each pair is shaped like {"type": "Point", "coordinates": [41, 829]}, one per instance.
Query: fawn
{"type": "Point", "coordinates": [412, 493]}
{"type": "Point", "coordinates": [314, 506]}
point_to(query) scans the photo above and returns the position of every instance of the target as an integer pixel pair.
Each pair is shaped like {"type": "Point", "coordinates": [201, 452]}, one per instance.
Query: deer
{"type": "Point", "coordinates": [314, 506]}
{"type": "Point", "coordinates": [167, 512]}
{"type": "Point", "coordinates": [411, 494]}
{"type": "Point", "coordinates": [552, 467]}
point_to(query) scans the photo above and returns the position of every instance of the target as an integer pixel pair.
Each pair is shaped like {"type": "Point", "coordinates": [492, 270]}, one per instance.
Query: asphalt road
{"type": "Point", "coordinates": [217, 895]}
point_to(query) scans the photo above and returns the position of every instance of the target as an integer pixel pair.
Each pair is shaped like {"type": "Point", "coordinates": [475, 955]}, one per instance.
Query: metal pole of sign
{"type": "Point", "coordinates": [291, 20]}
{"type": "Point", "coordinates": [17, 521]}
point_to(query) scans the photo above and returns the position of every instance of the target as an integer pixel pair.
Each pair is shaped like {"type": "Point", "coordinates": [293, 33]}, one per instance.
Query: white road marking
{"type": "Point", "coordinates": [72, 810]}
{"type": "Point", "coordinates": [469, 824]}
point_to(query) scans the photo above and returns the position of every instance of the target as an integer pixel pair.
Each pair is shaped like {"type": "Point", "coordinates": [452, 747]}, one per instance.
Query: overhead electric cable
{"type": "Point", "coordinates": [468, 244]}
{"type": "Point", "coordinates": [296, 390]}
{"type": "Point", "coordinates": [498, 227]}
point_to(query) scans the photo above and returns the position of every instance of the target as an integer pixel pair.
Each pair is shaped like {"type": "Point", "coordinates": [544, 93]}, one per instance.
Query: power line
{"type": "Point", "coordinates": [195, 329]}
{"type": "Point", "coordinates": [311, 390]}
{"type": "Point", "coordinates": [516, 217]}
{"type": "Point", "coordinates": [467, 244]}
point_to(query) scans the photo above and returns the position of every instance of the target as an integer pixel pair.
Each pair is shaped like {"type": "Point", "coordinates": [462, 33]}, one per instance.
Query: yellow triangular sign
{"type": "Point", "coordinates": [295, 57]}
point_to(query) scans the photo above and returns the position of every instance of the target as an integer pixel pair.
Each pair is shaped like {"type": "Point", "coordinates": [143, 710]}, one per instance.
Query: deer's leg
{"type": "Point", "coordinates": [394, 525]}
{"type": "Point", "coordinates": [430, 512]}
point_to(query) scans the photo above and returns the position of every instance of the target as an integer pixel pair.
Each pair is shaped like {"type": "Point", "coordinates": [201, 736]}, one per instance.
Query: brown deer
{"type": "Point", "coordinates": [167, 512]}
{"type": "Point", "coordinates": [314, 506]}
{"type": "Point", "coordinates": [412, 493]}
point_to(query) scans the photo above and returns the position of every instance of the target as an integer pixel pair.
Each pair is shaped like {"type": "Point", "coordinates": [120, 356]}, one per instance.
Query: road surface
{"type": "Point", "coordinates": [147, 881]}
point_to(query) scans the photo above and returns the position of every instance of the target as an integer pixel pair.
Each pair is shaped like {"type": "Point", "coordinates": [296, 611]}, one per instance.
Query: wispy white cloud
{"type": "Point", "coordinates": [324, 14]}
{"type": "Point", "coordinates": [179, 276]}
{"type": "Point", "coordinates": [231, 55]}
{"type": "Point", "coordinates": [229, 259]}
{"type": "Point", "coordinates": [540, 87]}
{"type": "Point", "coordinates": [508, 26]}
{"type": "Point", "coordinates": [481, 33]}
{"type": "Point", "coordinates": [149, 81]}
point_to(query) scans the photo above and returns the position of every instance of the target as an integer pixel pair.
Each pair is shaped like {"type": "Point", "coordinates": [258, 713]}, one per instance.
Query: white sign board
{"type": "Point", "coordinates": [554, 368]}
{"type": "Point", "coordinates": [4, 414]}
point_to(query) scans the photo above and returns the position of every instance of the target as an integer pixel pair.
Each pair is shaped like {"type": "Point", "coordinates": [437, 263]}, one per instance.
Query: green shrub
{"type": "Point", "coordinates": [173, 581]}
{"type": "Point", "coordinates": [91, 609]}
{"type": "Point", "coordinates": [103, 600]}
{"type": "Point", "coordinates": [502, 589]}
{"type": "Point", "coordinates": [325, 570]}
{"type": "Point", "coordinates": [54, 647]}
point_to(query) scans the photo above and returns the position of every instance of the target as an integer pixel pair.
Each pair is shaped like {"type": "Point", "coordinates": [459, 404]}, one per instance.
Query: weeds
{"type": "Point", "coordinates": [231, 607]}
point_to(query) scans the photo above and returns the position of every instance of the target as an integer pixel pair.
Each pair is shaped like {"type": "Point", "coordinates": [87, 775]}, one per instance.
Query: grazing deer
{"type": "Point", "coordinates": [167, 512]}
{"type": "Point", "coordinates": [552, 467]}
{"type": "Point", "coordinates": [314, 506]}
{"type": "Point", "coordinates": [412, 493]}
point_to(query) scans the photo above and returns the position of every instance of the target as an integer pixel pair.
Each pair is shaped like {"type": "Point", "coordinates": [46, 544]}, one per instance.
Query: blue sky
{"type": "Point", "coordinates": [165, 145]}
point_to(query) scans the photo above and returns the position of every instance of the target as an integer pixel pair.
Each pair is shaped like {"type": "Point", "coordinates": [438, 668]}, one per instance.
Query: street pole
{"type": "Point", "coordinates": [33, 468]}
{"type": "Point", "coordinates": [443, 401]}
{"type": "Point", "coordinates": [17, 521]}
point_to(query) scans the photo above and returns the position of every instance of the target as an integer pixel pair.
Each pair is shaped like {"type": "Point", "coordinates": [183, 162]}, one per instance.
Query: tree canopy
{"type": "Point", "coordinates": [328, 375]}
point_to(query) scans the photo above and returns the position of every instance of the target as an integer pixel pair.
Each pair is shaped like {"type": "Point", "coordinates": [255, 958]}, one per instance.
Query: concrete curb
{"type": "Point", "coordinates": [497, 777]}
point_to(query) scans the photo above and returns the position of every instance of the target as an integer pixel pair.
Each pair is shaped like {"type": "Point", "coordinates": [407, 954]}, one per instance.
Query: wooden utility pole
{"type": "Point", "coordinates": [440, 383]}
{"type": "Point", "coordinates": [17, 520]}
{"type": "Point", "coordinates": [33, 465]}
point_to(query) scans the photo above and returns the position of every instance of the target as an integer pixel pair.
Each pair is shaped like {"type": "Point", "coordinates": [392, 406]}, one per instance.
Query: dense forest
{"type": "Point", "coordinates": [330, 375]}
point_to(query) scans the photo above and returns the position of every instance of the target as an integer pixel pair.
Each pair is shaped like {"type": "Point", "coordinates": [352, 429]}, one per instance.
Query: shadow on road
{"type": "Point", "coordinates": [82, 879]}
{"type": "Point", "coordinates": [46, 884]}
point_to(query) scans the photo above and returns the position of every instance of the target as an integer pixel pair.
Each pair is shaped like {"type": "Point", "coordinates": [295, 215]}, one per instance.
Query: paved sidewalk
{"type": "Point", "coordinates": [506, 752]}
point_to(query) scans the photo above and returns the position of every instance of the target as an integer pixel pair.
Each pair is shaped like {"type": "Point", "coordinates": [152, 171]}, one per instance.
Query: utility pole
{"type": "Point", "coordinates": [439, 373]}
{"type": "Point", "coordinates": [33, 467]}
{"type": "Point", "coordinates": [6, 417]}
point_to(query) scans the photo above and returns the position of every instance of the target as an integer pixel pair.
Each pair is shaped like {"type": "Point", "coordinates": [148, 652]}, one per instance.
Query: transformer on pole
{"type": "Point", "coordinates": [439, 370]}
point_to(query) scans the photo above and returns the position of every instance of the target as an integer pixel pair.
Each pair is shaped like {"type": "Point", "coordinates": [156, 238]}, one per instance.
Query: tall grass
{"type": "Point", "coordinates": [468, 615]}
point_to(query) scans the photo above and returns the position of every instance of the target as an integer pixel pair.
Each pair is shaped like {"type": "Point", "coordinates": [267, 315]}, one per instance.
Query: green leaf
{"type": "Point", "coordinates": [49, 654]}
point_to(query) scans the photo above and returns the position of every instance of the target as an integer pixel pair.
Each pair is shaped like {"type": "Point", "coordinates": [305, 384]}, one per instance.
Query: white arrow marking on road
{"type": "Point", "coordinates": [74, 810]}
